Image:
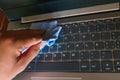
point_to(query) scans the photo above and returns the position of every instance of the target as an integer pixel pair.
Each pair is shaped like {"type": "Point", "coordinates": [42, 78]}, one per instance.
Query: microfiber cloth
{"type": "Point", "coordinates": [52, 31]}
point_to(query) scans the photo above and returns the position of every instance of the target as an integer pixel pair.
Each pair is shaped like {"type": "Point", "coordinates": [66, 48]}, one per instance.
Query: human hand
{"type": "Point", "coordinates": [12, 43]}
{"type": "Point", "coordinates": [12, 62]}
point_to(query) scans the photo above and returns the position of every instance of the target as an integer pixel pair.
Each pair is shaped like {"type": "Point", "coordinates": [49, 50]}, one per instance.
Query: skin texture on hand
{"type": "Point", "coordinates": [12, 62]}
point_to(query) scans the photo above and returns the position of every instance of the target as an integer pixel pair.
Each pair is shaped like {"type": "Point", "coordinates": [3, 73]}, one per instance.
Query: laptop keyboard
{"type": "Point", "coordinates": [88, 46]}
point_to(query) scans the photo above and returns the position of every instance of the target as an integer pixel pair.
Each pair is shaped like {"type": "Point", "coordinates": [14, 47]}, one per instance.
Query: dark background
{"type": "Point", "coordinates": [15, 9]}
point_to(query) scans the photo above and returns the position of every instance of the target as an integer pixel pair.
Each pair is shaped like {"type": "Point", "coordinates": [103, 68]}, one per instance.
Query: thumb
{"type": "Point", "coordinates": [25, 58]}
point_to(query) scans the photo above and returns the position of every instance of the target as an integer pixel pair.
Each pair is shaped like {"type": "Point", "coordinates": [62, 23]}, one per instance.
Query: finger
{"type": "Point", "coordinates": [24, 38]}
{"type": "Point", "coordinates": [30, 54]}
{"type": "Point", "coordinates": [23, 34]}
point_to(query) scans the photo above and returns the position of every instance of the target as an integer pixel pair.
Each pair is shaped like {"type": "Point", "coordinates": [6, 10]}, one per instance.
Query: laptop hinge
{"type": "Point", "coordinates": [73, 12]}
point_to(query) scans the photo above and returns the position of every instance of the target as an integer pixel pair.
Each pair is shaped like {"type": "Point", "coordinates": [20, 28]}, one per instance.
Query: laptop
{"type": "Point", "coordinates": [88, 47]}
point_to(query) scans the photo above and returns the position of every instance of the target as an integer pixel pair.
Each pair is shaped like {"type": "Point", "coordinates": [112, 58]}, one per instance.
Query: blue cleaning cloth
{"type": "Point", "coordinates": [52, 31]}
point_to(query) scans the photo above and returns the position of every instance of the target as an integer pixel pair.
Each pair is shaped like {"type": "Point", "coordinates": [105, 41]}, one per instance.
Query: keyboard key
{"type": "Point", "coordinates": [76, 37]}
{"type": "Point", "coordinates": [84, 66]}
{"type": "Point", "coordinates": [118, 26]}
{"type": "Point", "coordinates": [70, 46]}
{"type": "Point", "coordinates": [95, 66]}
{"type": "Point", "coordinates": [107, 66]}
{"type": "Point", "coordinates": [95, 36]}
{"type": "Point", "coordinates": [72, 66]}
{"type": "Point", "coordinates": [117, 66]}
{"type": "Point", "coordinates": [89, 45]}
{"type": "Point", "coordinates": [118, 44]}
{"type": "Point", "coordinates": [94, 55]}
{"type": "Point", "coordinates": [105, 36]}
{"type": "Point", "coordinates": [83, 27]}
{"type": "Point", "coordinates": [79, 46]}
{"type": "Point", "coordinates": [116, 54]}
{"type": "Point", "coordinates": [53, 48]}
{"type": "Point", "coordinates": [85, 37]}
{"type": "Point", "coordinates": [57, 56]}
{"type": "Point", "coordinates": [84, 55]}
{"type": "Point", "coordinates": [91, 26]}
{"type": "Point", "coordinates": [74, 55]}
{"type": "Point", "coordinates": [65, 56]}
{"type": "Point", "coordinates": [48, 56]}
{"type": "Point", "coordinates": [99, 45]}
{"type": "Point", "coordinates": [40, 57]}
{"type": "Point", "coordinates": [100, 25]}
{"type": "Point", "coordinates": [67, 38]}
{"type": "Point", "coordinates": [70, 28]}
{"type": "Point", "coordinates": [65, 29]}
{"type": "Point", "coordinates": [116, 35]}
{"type": "Point", "coordinates": [109, 44]}
{"type": "Point", "coordinates": [111, 27]}
{"type": "Point", "coordinates": [61, 47]}
{"type": "Point", "coordinates": [106, 55]}
{"type": "Point", "coordinates": [45, 49]}
{"type": "Point", "coordinates": [74, 28]}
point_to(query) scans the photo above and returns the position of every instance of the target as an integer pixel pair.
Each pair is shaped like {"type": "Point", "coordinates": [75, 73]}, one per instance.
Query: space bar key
{"type": "Point", "coordinates": [57, 66]}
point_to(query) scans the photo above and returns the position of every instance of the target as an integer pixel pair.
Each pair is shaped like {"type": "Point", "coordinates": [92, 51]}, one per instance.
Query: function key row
{"type": "Point", "coordinates": [90, 26]}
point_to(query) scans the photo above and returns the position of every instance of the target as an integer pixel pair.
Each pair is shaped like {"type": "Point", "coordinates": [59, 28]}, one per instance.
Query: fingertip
{"type": "Point", "coordinates": [43, 43]}
{"type": "Point", "coordinates": [39, 45]}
